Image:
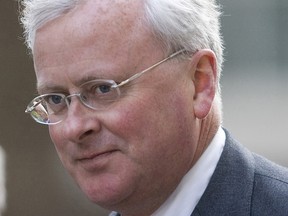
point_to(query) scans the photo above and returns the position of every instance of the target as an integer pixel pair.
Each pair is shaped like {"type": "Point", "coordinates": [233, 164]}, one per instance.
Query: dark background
{"type": "Point", "coordinates": [255, 100]}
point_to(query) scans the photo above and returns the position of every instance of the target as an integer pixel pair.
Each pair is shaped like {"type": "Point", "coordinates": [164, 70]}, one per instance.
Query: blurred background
{"type": "Point", "coordinates": [255, 98]}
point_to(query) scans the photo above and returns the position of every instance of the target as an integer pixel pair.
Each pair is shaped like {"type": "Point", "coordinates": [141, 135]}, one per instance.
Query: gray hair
{"type": "Point", "coordinates": [188, 24]}
{"type": "Point", "coordinates": [180, 24]}
{"type": "Point", "coordinates": [38, 12]}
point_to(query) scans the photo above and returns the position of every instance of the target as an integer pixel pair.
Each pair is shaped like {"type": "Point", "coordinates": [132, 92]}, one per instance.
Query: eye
{"type": "Point", "coordinates": [54, 99]}
{"type": "Point", "coordinates": [54, 103]}
{"type": "Point", "coordinates": [99, 91]}
{"type": "Point", "coordinates": [103, 88]}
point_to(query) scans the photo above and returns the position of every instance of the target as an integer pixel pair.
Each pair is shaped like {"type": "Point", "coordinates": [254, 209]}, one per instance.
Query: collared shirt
{"type": "Point", "coordinates": [192, 186]}
{"type": "Point", "coordinates": [188, 193]}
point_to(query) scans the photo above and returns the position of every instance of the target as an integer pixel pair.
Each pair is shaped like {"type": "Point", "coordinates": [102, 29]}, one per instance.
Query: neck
{"type": "Point", "coordinates": [208, 128]}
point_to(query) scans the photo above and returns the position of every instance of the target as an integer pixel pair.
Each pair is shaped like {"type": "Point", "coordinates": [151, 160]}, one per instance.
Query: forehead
{"type": "Point", "coordinates": [90, 21]}
{"type": "Point", "coordinates": [95, 31]}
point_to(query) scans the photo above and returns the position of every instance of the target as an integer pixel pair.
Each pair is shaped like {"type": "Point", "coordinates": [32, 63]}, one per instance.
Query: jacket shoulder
{"type": "Point", "coordinates": [270, 191]}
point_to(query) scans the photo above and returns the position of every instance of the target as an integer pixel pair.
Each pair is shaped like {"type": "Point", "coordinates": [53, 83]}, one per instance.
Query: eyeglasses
{"type": "Point", "coordinates": [97, 94]}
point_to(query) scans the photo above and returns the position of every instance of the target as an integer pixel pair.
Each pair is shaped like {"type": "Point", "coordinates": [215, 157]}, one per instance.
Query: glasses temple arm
{"type": "Point", "coordinates": [150, 68]}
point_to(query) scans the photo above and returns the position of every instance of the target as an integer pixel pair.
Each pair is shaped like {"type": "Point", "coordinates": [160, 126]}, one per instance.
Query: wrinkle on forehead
{"type": "Point", "coordinates": [116, 20]}
{"type": "Point", "coordinates": [112, 16]}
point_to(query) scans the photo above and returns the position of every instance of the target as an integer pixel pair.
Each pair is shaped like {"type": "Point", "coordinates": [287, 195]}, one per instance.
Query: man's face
{"type": "Point", "coordinates": [139, 148]}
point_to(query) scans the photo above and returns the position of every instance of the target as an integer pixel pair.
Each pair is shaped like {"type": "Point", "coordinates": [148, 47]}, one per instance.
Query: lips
{"type": "Point", "coordinates": [95, 155]}
{"type": "Point", "coordinates": [96, 160]}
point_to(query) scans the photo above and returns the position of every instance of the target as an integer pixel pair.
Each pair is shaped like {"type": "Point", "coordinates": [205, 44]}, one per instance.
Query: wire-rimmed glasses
{"type": "Point", "coordinates": [97, 94]}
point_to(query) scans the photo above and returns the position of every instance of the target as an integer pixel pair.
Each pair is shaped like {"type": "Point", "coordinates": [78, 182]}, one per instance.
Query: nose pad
{"type": "Point", "coordinates": [68, 98]}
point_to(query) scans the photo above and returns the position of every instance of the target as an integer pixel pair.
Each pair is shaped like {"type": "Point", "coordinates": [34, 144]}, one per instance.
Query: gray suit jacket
{"type": "Point", "coordinates": [244, 184]}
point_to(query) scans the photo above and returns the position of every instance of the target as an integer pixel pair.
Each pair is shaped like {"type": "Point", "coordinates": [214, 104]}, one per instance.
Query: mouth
{"type": "Point", "coordinates": [96, 161]}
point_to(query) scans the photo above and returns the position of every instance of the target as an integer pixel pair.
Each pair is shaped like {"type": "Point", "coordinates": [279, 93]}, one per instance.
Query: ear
{"type": "Point", "coordinates": [204, 76]}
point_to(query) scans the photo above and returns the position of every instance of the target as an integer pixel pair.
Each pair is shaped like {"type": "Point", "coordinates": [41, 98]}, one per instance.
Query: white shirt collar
{"type": "Point", "coordinates": [188, 193]}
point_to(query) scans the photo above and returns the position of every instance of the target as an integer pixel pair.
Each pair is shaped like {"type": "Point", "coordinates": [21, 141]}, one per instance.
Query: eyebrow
{"type": "Point", "coordinates": [44, 88]}
{"type": "Point", "coordinates": [87, 78]}
{"type": "Point", "coordinates": [49, 87]}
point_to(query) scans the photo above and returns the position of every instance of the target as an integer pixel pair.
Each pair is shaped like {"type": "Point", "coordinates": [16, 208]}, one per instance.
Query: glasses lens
{"type": "Point", "coordinates": [48, 109]}
{"type": "Point", "coordinates": [99, 94]}
{"type": "Point", "coordinates": [38, 111]}
{"type": "Point", "coordinates": [52, 108]}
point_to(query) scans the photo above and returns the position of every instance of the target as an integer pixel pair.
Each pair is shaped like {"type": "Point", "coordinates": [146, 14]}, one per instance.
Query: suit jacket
{"type": "Point", "coordinates": [244, 184]}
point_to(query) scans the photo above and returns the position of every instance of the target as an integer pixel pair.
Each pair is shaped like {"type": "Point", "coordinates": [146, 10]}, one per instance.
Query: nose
{"type": "Point", "coordinates": [80, 122]}
{"type": "Point", "coordinates": [68, 98]}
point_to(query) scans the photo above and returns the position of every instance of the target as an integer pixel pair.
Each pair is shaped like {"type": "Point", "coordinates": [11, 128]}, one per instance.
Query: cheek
{"type": "Point", "coordinates": [155, 128]}
{"type": "Point", "coordinates": [160, 142]}
{"type": "Point", "coordinates": [56, 136]}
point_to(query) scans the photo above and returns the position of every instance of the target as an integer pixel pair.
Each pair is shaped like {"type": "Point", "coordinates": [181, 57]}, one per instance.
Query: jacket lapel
{"type": "Point", "coordinates": [230, 189]}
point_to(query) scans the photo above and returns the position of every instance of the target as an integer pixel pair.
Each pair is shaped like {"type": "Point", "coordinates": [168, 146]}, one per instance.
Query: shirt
{"type": "Point", "coordinates": [192, 186]}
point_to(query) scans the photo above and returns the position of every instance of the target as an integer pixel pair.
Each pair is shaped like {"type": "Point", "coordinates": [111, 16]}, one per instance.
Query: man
{"type": "Point", "coordinates": [141, 139]}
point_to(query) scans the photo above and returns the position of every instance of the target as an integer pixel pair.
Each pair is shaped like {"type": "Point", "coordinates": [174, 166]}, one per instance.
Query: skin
{"type": "Point", "coordinates": [131, 156]}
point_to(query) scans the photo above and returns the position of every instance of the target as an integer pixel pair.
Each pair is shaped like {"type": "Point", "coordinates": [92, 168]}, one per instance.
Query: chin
{"type": "Point", "coordinates": [105, 190]}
